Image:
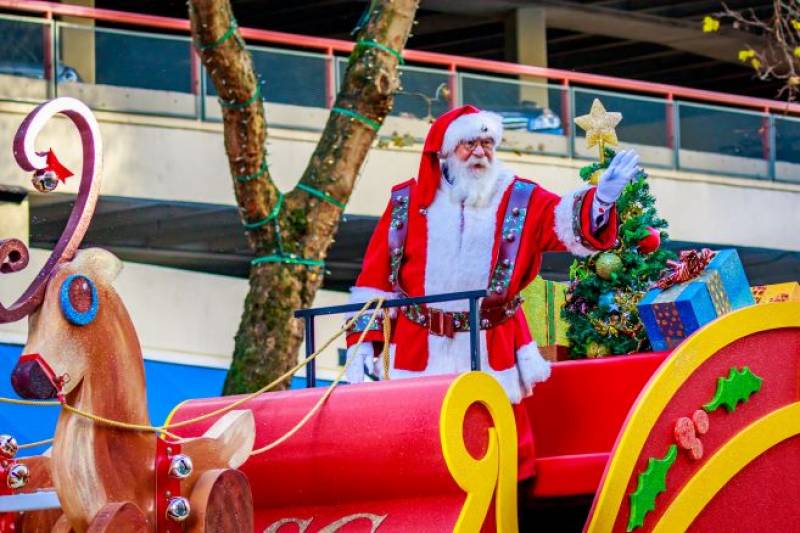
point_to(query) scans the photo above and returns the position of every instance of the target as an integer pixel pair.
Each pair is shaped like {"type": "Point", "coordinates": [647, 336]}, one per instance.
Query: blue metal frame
{"type": "Point", "coordinates": [474, 322]}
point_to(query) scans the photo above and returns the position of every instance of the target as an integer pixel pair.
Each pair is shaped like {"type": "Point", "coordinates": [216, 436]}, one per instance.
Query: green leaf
{"type": "Point", "coordinates": [737, 387]}
{"type": "Point", "coordinates": [652, 482]}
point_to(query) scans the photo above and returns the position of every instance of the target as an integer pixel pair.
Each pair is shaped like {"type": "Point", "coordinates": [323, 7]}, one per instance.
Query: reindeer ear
{"type": "Point", "coordinates": [100, 264]}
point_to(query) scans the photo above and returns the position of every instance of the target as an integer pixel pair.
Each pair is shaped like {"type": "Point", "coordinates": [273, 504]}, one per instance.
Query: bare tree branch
{"type": "Point", "coordinates": [779, 57]}
{"type": "Point", "coordinates": [290, 235]}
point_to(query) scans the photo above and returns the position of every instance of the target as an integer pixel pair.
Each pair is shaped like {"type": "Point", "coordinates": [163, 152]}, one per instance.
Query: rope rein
{"type": "Point", "coordinates": [164, 429]}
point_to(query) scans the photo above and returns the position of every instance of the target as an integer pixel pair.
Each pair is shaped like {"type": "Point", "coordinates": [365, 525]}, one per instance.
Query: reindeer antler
{"type": "Point", "coordinates": [81, 215]}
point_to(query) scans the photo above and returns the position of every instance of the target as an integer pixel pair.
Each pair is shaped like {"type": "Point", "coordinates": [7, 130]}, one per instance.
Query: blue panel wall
{"type": "Point", "coordinates": [167, 385]}
{"type": "Point", "coordinates": [26, 424]}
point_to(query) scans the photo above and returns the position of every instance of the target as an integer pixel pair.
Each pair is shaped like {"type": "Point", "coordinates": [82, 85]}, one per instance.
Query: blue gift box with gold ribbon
{"type": "Point", "coordinates": [670, 315]}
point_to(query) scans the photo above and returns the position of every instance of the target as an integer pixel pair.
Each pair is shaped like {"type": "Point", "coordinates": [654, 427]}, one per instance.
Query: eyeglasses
{"type": "Point", "coordinates": [486, 144]}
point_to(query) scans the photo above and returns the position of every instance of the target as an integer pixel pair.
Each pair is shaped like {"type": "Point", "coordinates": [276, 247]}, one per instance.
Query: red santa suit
{"type": "Point", "coordinates": [450, 247]}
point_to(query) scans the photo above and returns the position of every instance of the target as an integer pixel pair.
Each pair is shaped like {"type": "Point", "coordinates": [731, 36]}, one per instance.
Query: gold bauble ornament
{"type": "Point", "coordinates": [607, 264]}
{"type": "Point", "coordinates": [595, 350]}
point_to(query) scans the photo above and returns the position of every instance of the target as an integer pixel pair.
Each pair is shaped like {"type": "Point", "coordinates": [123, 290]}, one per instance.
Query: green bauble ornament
{"type": "Point", "coordinates": [595, 349]}
{"type": "Point", "coordinates": [607, 264]}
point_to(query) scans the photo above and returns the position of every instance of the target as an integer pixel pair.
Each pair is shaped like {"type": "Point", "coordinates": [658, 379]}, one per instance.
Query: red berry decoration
{"type": "Point", "coordinates": [684, 433]}
{"type": "Point", "coordinates": [651, 243]}
{"type": "Point", "coordinates": [696, 451]}
{"type": "Point", "coordinates": [701, 423]}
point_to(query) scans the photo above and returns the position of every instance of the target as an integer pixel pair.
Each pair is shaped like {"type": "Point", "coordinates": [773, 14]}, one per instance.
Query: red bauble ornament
{"type": "Point", "coordinates": [651, 243]}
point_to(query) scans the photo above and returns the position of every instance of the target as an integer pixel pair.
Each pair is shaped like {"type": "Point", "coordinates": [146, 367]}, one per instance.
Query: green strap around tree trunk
{"type": "Point", "coordinates": [219, 42]}
{"type": "Point", "coordinates": [321, 195]}
{"type": "Point", "coordinates": [361, 118]}
{"type": "Point", "coordinates": [244, 178]}
{"type": "Point", "coordinates": [371, 43]}
{"type": "Point", "coordinates": [241, 105]}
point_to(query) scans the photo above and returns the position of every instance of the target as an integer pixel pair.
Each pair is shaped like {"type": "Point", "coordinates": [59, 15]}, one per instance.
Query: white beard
{"type": "Point", "coordinates": [470, 185]}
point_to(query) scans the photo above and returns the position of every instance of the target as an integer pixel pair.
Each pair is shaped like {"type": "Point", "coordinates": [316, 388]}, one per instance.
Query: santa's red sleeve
{"type": "Point", "coordinates": [567, 222]}
{"type": "Point", "coordinates": [373, 281]}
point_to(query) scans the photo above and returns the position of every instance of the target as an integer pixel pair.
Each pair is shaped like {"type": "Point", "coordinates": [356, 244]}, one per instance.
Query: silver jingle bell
{"type": "Point", "coordinates": [8, 446]}
{"type": "Point", "coordinates": [44, 181]}
{"type": "Point", "coordinates": [180, 467]}
{"type": "Point", "coordinates": [17, 476]}
{"type": "Point", "coordinates": [178, 509]}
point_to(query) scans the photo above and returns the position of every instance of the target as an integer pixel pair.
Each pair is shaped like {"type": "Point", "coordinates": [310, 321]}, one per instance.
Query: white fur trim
{"type": "Point", "coordinates": [359, 295]}
{"type": "Point", "coordinates": [451, 356]}
{"type": "Point", "coordinates": [533, 368]}
{"type": "Point", "coordinates": [362, 294]}
{"type": "Point", "coordinates": [460, 244]}
{"type": "Point", "coordinates": [564, 224]}
{"type": "Point", "coordinates": [356, 360]}
{"type": "Point", "coordinates": [472, 126]}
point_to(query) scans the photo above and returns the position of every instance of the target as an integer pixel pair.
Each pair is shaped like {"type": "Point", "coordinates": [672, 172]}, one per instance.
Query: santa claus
{"type": "Point", "coordinates": [466, 223]}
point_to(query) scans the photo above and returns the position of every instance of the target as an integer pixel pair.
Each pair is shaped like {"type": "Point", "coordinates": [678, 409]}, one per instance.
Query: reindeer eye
{"type": "Point", "coordinates": [78, 300]}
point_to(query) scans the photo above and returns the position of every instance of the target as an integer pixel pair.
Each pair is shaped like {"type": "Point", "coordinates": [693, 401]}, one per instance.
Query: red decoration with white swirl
{"type": "Point", "coordinates": [690, 265]}
{"type": "Point", "coordinates": [14, 255]}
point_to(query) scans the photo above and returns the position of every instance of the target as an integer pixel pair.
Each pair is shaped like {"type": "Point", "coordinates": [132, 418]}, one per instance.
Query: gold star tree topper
{"type": "Point", "coordinates": [599, 125]}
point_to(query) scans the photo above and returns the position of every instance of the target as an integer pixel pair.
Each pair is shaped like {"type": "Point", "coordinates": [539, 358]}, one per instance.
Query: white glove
{"type": "Point", "coordinates": [532, 367]}
{"type": "Point", "coordinates": [357, 360]}
{"type": "Point", "coordinates": [621, 171]}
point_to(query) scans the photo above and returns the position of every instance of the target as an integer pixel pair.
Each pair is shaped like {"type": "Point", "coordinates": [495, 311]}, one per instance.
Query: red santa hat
{"type": "Point", "coordinates": [463, 123]}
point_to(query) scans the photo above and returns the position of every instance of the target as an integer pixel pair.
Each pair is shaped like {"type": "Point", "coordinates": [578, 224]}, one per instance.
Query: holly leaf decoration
{"type": "Point", "coordinates": [737, 387]}
{"type": "Point", "coordinates": [652, 482]}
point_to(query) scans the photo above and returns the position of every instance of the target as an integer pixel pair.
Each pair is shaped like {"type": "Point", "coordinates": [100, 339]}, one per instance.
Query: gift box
{"type": "Point", "coordinates": [777, 292]}
{"type": "Point", "coordinates": [542, 303]}
{"type": "Point", "coordinates": [672, 314]}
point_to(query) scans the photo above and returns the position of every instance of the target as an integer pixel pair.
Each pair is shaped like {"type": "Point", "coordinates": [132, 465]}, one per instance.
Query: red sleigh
{"type": "Point", "coordinates": [436, 454]}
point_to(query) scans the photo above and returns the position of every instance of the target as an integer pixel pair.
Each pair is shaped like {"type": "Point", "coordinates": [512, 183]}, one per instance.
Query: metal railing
{"type": "Point", "coordinates": [675, 127]}
{"type": "Point", "coordinates": [474, 320]}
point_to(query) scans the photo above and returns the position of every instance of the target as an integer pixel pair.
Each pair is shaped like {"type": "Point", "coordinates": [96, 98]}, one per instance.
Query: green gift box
{"type": "Point", "coordinates": [542, 303]}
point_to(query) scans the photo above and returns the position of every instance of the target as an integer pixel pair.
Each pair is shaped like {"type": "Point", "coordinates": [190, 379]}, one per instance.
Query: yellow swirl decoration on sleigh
{"type": "Point", "coordinates": [497, 469]}
{"type": "Point", "coordinates": [757, 432]}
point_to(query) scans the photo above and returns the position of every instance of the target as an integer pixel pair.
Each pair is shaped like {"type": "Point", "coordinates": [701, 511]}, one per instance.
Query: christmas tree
{"type": "Point", "coordinates": [604, 288]}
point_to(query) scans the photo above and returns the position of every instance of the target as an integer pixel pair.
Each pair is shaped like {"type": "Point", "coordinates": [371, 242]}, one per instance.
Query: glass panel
{"type": "Point", "coordinates": [424, 92]}
{"type": "Point", "coordinates": [289, 79]}
{"type": "Point", "coordinates": [424, 95]}
{"type": "Point", "coordinates": [722, 141]}
{"type": "Point", "coordinates": [532, 112]}
{"type": "Point", "coordinates": [643, 126]}
{"type": "Point", "coordinates": [127, 71]}
{"type": "Point", "coordinates": [22, 59]}
{"type": "Point", "coordinates": [787, 149]}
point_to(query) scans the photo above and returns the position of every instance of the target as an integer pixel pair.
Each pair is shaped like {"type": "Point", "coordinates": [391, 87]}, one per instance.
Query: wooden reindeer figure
{"type": "Point", "coordinates": [83, 349]}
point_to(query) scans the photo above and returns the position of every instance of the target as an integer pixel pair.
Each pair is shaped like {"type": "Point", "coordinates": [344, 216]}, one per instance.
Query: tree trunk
{"type": "Point", "coordinates": [291, 237]}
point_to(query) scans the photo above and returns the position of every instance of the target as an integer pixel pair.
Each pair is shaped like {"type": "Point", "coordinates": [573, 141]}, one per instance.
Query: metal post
{"type": "Point", "coordinates": [330, 78]}
{"type": "Point", "coordinates": [311, 367]}
{"type": "Point", "coordinates": [203, 92]}
{"type": "Point", "coordinates": [474, 331]}
{"type": "Point", "coordinates": [455, 95]}
{"type": "Point", "coordinates": [566, 112]}
{"type": "Point", "coordinates": [670, 123]}
{"type": "Point", "coordinates": [49, 38]}
{"type": "Point", "coordinates": [676, 124]}
{"type": "Point", "coordinates": [770, 150]}
{"type": "Point", "coordinates": [571, 113]}
{"type": "Point", "coordinates": [197, 73]}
